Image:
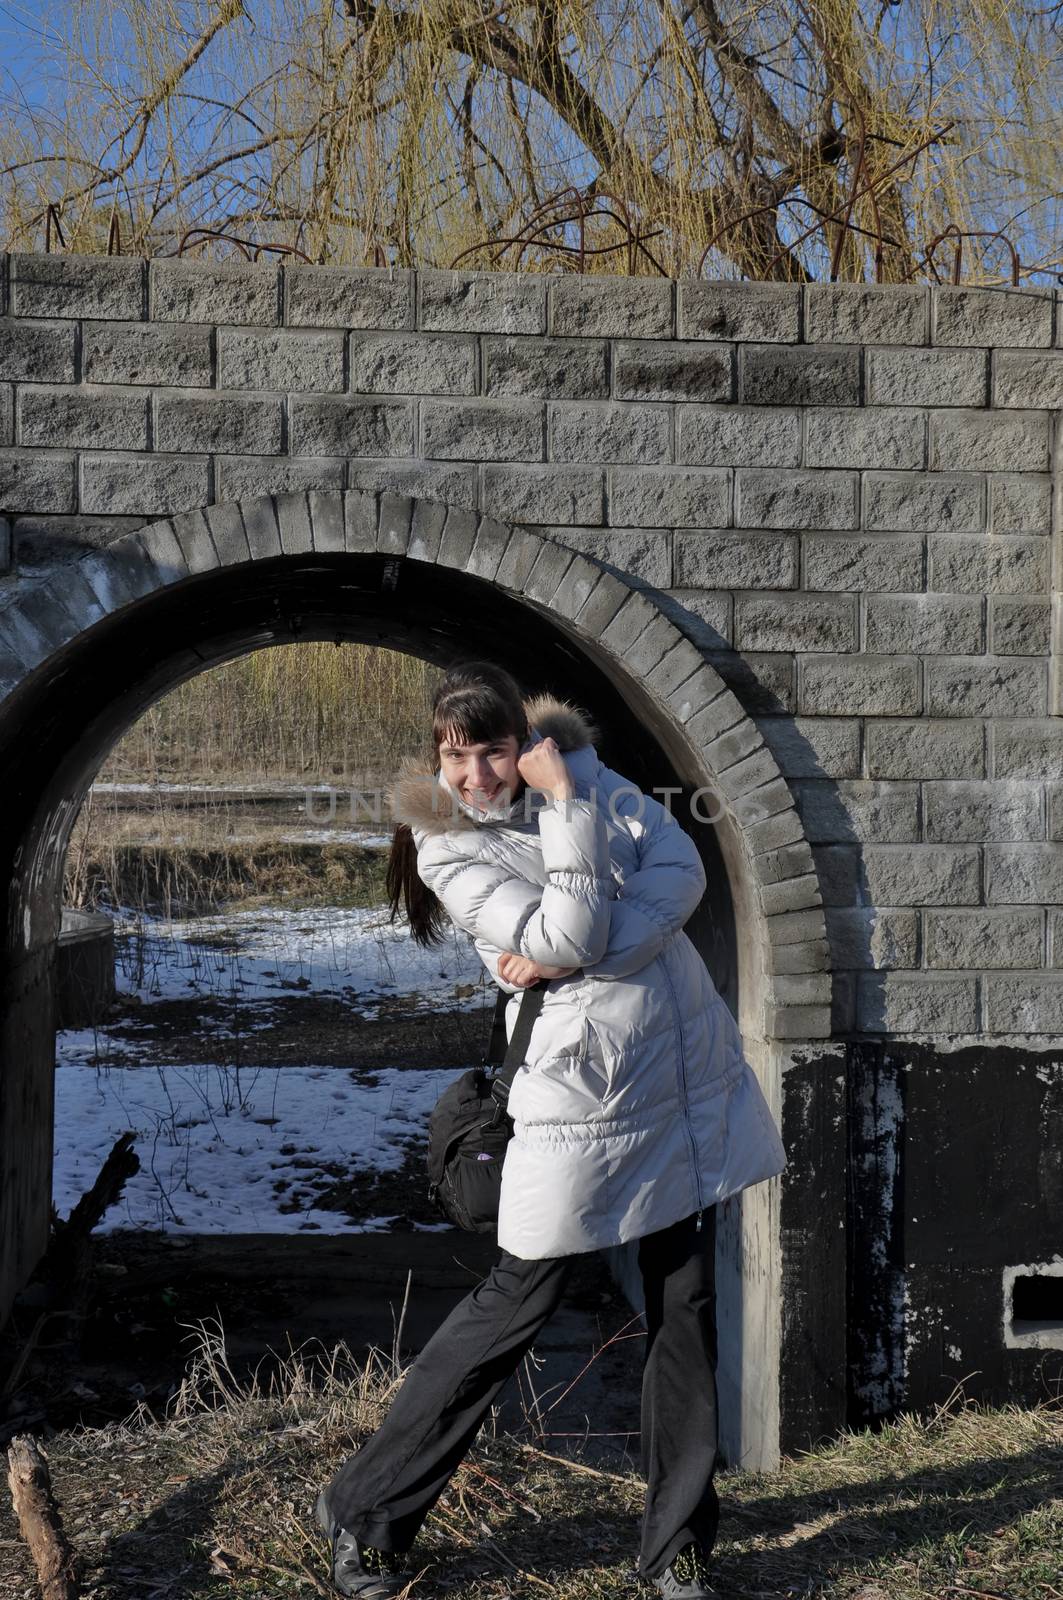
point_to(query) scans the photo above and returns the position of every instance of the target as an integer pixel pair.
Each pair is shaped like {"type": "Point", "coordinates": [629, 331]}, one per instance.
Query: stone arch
{"type": "Point", "coordinates": [101, 640]}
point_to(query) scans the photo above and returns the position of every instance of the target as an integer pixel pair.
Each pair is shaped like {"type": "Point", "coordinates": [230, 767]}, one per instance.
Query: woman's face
{"type": "Point", "coordinates": [478, 772]}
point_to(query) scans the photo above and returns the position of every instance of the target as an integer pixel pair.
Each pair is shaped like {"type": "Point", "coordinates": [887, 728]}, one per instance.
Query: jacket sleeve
{"type": "Point", "coordinates": [489, 954]}
{"type": "Point", "coordinates": [655, 900]}
{"type": "Point", "coordinates": [564, 923]}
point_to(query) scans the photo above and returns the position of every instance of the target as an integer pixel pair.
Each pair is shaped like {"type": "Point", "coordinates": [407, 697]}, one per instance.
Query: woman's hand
{"type": "Point", "coordinates": [543, 767]}
{"type": "Point", "coordinates": [522, 972]}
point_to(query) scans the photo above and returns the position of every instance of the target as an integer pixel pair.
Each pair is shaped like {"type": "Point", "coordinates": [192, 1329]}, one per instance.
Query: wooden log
{"type": "Point", "coordinates": [39, 1521]}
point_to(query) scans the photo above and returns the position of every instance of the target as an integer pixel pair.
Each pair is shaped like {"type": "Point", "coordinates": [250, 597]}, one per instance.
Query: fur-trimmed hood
{"type": "Point", "coordinates": [422, 798]}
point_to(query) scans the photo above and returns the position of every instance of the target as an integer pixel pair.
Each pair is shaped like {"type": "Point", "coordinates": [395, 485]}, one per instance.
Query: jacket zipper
{"type": "Point", "coordinates": [683, 1089]}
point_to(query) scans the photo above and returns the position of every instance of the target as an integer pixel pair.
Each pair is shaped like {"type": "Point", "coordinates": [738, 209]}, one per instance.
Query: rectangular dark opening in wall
{"type": "Point", "coordinates": [1037, 1298]}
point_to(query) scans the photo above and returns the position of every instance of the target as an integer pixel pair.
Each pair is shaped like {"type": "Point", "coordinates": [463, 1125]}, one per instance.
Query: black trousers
{"type": "Point", "coordinates": [386, 1489]}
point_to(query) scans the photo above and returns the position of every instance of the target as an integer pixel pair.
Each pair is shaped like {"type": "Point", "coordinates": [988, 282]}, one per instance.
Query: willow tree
{"type": "Point", "coordinates": [777, 139]}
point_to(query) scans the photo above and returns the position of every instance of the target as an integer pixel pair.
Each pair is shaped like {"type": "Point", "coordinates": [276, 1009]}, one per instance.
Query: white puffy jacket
{"type": "Point", "coordinates": [635, 1106]}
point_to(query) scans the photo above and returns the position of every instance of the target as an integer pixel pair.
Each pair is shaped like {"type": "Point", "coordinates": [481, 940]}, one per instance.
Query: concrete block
{"type": "Point", "coordinates": [143, 353]}
{"type": "Point", "coordinates": [548, 572]}
{"type": "Point", "coordinates": [664, 497]}
{"type": "Point", "coordinates": [197, 546]}
{"type": "Point", "coordinates": [999, 809]}
{"type": "Point", "coordinates": [327, 520]}
{"type": "Point", "coordinates": [757, 804]}
{"type": "Point", "coordinates": [924, 503]}
{"type": "Point", "coordinates": [227, 530]}
{"type": "Point", "coordinates": [1020, 503]}
{"type": "Point", "coordinates": [546, 369]}
{"type": "Point", "coordinates": [264, 358]}
{"type": "Point", "coordinates": [645, 370]}
{"type": "Point", "coordinates": [144, 486]}
{"type": "Point", "coordinates": [696, 693]}
{"type": "Point", "coordinates": [6, 543]}
{"type": "Point", "coordinates": [261, 527]}
{"type": "Point", "coordinates": [924, 624]}
{"type": "Point", "coordinates": [458, 537]}
{"type": "Point", "coordinates": [925, 749]}
{"type": "Point", "coordinates": [871, 686]}
{"type": "Point", "coordinates": [610, 433]}
{"type": "Point", "coordinates": [642, 555]}
{"type": "Point", "coordinates": [921, 875]}
{"type": "Point", "coordinates": [751, 774]}
{"type": "Point", "coordinates": [739, 436]}
{"type": "Point", "coordinates": [765, 682]}
{"type": "Point", "coordinates": [1028, 1003]}
{"type": "Point", "coordinates": [910, 1003]}
{"type": "Point", "coordinates": [481, 430]}
{"type": "Point", "coordinates": [860, 810]}
{"type": "Point", "coordinates": [482, 302]}
{"type": "Point", "coordinates": [1028, 380]}
{"type": "Point", "coordinates": [772, 499]}
{"type": "Point", "coordinates": [1020, 627]}
{"type": "Point", "coordinates": [795, 622]}
{"type": "Point", "coordinates": [243, 293]}
{"type": "Point", "coordinates": [361, 520]}
{"type": "Point", "coordinates": [813, 747]}
{"type": "Point", "coordinates": [456, 485]}
{"type": "Point", "coordinates": [1024, 874]}
{"type": "Point", "coordinates": [545, 494]}
{"type": "Point", "coordinates": [873, 564]}
{"type": "Point", "coordinates": [7, 414]}
{"type": "Point", "coordinates": [517, 561]}
{"type": "Point", "coordinates": [633, 618]}
{"type": "Point", "coordinates": [37, 352]}
{"type": "Point", "coordinates": [118, 577]}
{"type": "Point", "coordinates": [489, 547]}
{"type": "Point", "coordinates": [736, 560]}
{"type": "Point", "coordinates": [969, 316]}
{"type": "Point", "coordinates": [676, 667]}
{"type": "Point", "coordinates": [839, 874]}
{"type": "Point", "coordinates": [740, 311]}
{"type": "Point", "coordinates": [232, 424]}
{"type": "Point", "coordinates": [740, 740]}
{"type": "Point", "coordinates": [293, 520]}
{"type": "Point", "coordinates": [798, 1022]}
{"type": "Point", "coordinates": [869, 938]}
{"type": "Point", "coordinates": [327, 425]}
{"type": "Point", "coordinates": [76, 286]}
{"type": "Point", "coordinates": [883, 436]}
{"type": "Point", "coordinates": [426, 529]}
{"type": "Point", "coordinates": [927, 378]}
{"type": "Point", "coordinates": [827, 375]}
{"type": "Point", "coordinates": [813, 956]}
{"type": "Point", "coordinates": [862, 313]}
{"type": "Point", "coordinates": [1028, 748]}
{"type": "Point", "coordinates": [984, 938]}
{"type": "Point", "coordinates": [979, 566]}
{"type": "Point", "coordinates": [1004, 441]}
{"type": "Point", "coordinates": [719, 715]}
{"type": "Point", "coordinates": [704, 614]}
{"type": "Point", "coordinates": [411, 363]}
{"type": "Point", "coordinates": [243, 477]}
{"type": "Point", "coordinates": [59, 418]}
{"type": "Point", "coordinates": [792, 894]}
{"type": "Point", "coordinates": [989, 686]}
{"type": "Point", "coordinates": [394, 523]}
{"type": "Point", "coordinates": [785, 827]}
{"type": "Point", "coordinates": [796, 927]}
{"type": "Point", "coordinates": [37, 480]}
{"type": "Point", "coordinates": [348, 297]}
{"type": "Point", "coordinates": [1054, 795]}
{"type": "Point", "coordinates": [611, 308]}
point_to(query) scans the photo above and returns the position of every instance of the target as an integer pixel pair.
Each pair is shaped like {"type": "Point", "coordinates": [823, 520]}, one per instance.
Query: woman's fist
{"type": "Point", "coordinates": [522, 972]}
{"type": "Point", "coordinates": [543, 767]}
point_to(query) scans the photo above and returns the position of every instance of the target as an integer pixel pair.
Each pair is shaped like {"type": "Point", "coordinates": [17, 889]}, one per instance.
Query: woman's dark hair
{"type": "Point", "coordinates": [477, 702]}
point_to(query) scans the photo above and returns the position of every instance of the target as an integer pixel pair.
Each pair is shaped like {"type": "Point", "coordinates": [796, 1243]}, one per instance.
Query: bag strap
{"type": "Point", "coordinates": [531, 1003]}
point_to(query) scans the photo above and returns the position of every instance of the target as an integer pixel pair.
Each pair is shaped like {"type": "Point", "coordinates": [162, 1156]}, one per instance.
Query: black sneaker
{"type": "Point", "coordinates": [688, 1576]}
{"type": "Point", "coordinates": [358, 1569]}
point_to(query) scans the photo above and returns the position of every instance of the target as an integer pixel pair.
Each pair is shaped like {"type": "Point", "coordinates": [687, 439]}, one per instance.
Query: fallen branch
{"type": "Point", "coordinates": [39, 1521]}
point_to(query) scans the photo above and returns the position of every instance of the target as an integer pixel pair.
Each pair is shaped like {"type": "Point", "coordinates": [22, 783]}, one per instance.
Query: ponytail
{"type": "Point", "coordinates": [424, 910]}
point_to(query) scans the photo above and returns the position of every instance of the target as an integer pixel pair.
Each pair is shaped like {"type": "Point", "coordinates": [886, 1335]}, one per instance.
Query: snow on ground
{"type": "Point", "coordinates": [215, 1141]}
{"type": "Point", "coordinates": [223, 1150]}
{"type": "Point", "coordinates": [255, 954]}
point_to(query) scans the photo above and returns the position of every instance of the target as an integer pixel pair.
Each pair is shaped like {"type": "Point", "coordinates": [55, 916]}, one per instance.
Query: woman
{"type": "Point", "coordinates": [634, 1114]}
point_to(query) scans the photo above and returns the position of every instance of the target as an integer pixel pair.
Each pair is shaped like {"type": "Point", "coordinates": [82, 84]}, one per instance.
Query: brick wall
{"type": "Point", "coordinates": [843, 494]}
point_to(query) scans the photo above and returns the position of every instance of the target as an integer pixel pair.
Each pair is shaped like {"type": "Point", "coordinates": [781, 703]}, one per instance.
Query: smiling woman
{"type": "Point", "coordinates": [634, 1110]}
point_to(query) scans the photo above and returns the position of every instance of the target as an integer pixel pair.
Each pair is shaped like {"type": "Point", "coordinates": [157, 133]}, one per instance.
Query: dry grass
{"type": "Point", "coordinates": [216, 1500]}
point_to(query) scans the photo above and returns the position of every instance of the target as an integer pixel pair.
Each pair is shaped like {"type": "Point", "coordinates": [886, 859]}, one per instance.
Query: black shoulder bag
{"type": "Point", "coordinates": [469, 1129]}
